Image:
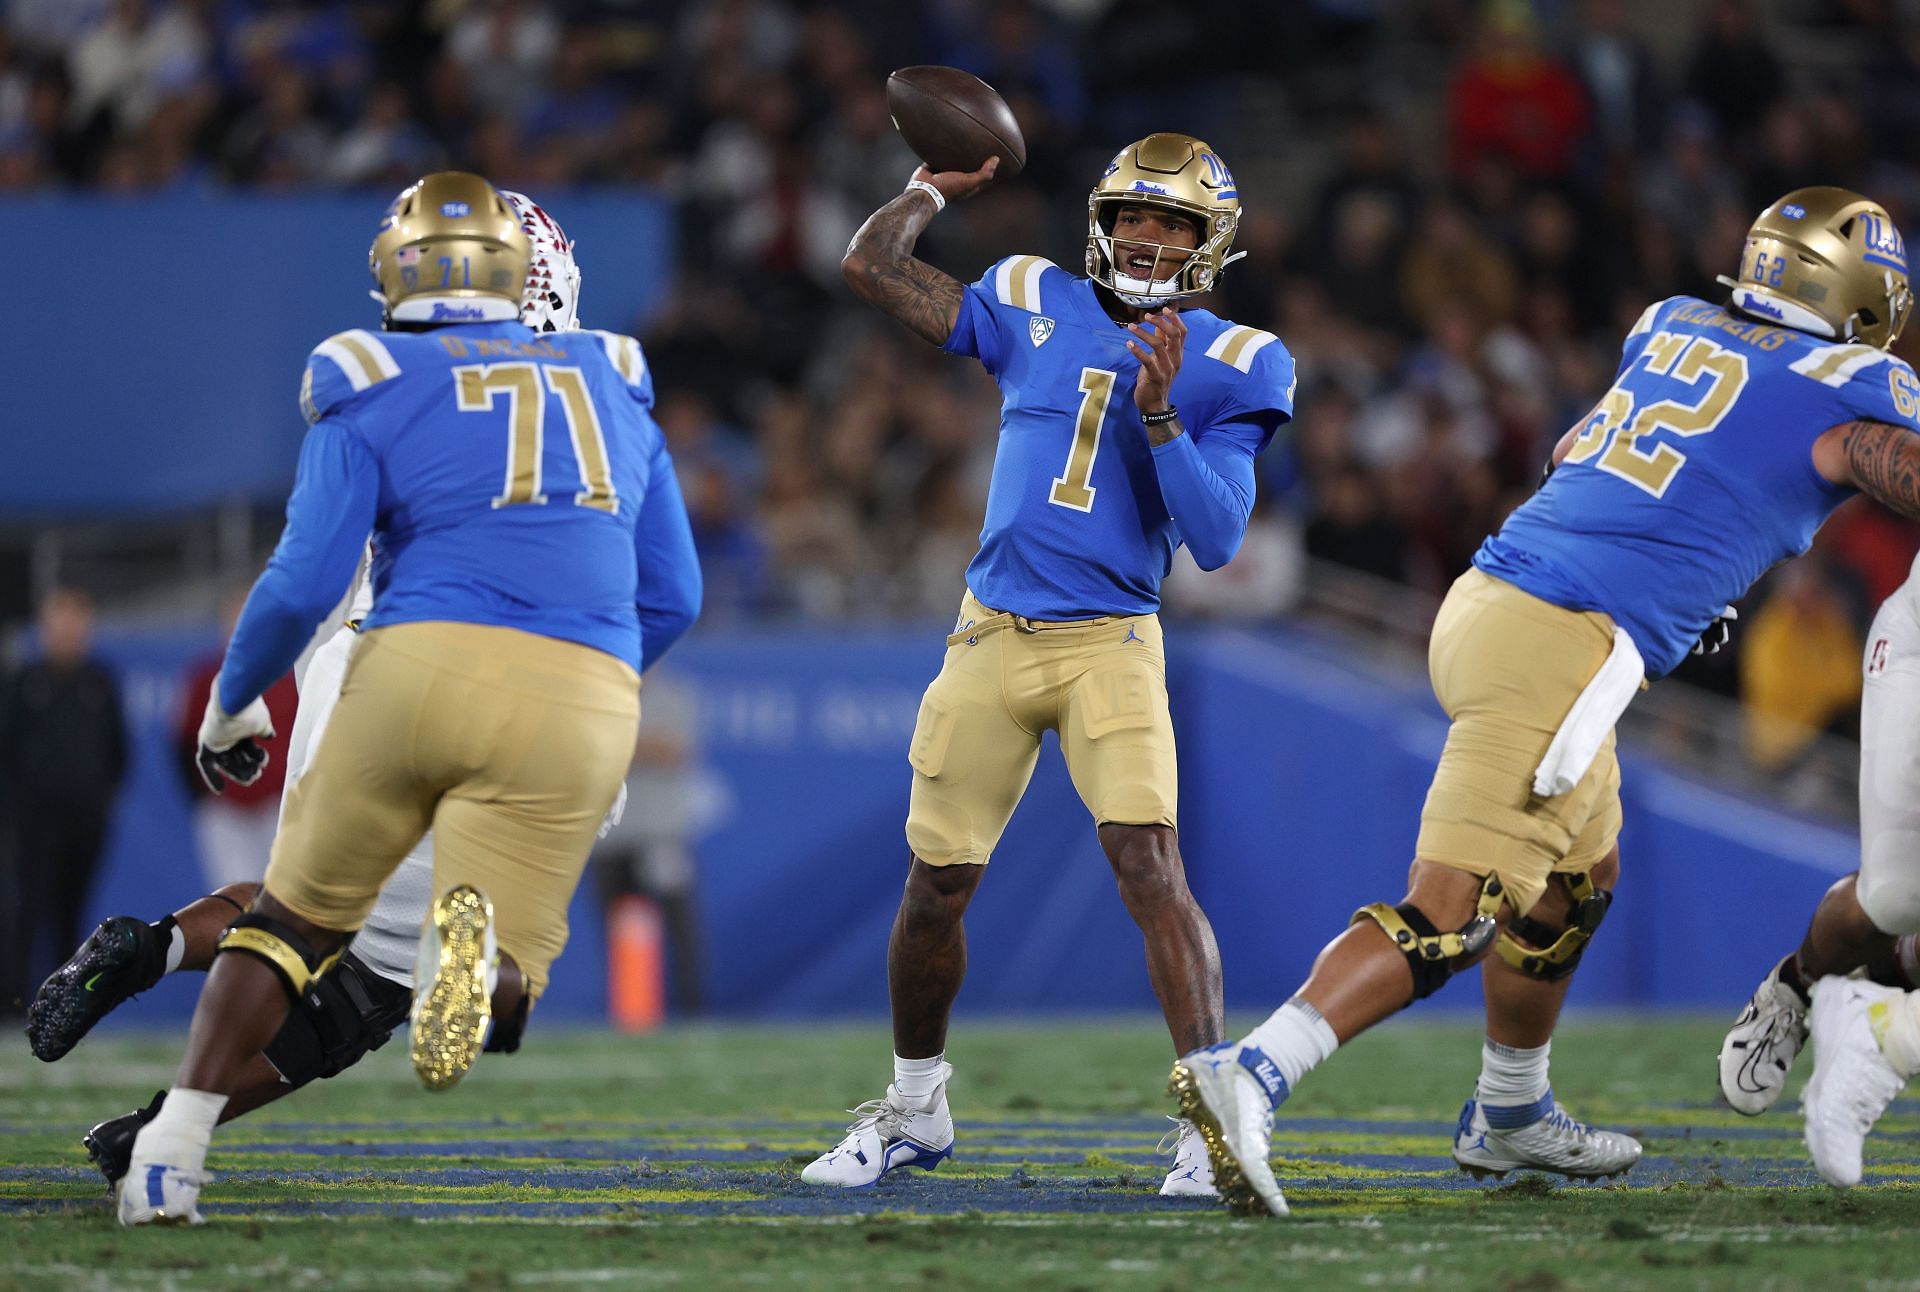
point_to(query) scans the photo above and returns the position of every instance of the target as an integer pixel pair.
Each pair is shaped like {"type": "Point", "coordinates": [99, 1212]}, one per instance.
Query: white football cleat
{"type": "Point", "coordinates": [1538, 1137]}
{"type": "Point", "coordinates": [152, 1193]}
{"type": "Point", "coordinates": [453, 981]}
{"type": "Point", "coordinates": [1852, 1081]}
{"type": "Point", "coordinates": [1229, 1091]}
{"type": "Point", "coordinates": [886, 1135]}
{"type": "Point", "coordinates": [1192, 1174]}
{"type": "Point", "coordinates": [1761, 1046]}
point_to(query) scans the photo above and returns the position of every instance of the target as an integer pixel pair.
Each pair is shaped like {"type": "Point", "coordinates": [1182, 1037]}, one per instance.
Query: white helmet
{"type": "Point", "coordinates": [551, 302]}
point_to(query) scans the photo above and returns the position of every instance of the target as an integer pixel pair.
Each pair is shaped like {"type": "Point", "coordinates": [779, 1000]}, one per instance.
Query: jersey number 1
{"type": "Point", "coordinates": [475, 386]}
{"type": "Point", "coordinates": [1072, 487]}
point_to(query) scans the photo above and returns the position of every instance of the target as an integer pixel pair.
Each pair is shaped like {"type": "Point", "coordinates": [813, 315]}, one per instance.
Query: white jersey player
{"type": "Point", "coordinates": [1850, 985]}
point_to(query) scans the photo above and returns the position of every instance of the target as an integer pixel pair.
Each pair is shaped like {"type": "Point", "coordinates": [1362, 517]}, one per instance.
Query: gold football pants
{"type": "Point", "coordinates": [511, 746]}
{"type": "Point", "coordinates": [1100, 683]}
{"type": "Point", "coordinates": [1507, 667]}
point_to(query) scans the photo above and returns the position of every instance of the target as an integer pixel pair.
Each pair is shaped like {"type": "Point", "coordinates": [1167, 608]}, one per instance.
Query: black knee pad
{"type": "Point", "coordinates": [285, 951]}
{"type": "Point", "coordinates": [341, 1018]}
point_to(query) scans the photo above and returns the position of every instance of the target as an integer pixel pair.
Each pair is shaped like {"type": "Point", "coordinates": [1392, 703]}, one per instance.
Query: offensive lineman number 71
{"type": "Point", "coordinates": [475, 386]}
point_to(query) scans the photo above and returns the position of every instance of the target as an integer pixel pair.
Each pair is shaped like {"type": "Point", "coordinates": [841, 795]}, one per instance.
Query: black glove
{"type": "Point", "coordinates": [1718, 633]}
{"type": "Point", "coordinates": [240, 763]}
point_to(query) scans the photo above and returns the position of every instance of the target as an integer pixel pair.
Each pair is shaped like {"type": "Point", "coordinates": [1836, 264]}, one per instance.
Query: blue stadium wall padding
{"type": "Point", "coordinates": [162, 367]}
{"type": "Point", "coordinates": [1302, 773]}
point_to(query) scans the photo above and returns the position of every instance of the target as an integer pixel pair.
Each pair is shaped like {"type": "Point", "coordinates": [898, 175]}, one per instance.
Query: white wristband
{"type": "Point", "coordinates": [939, 200]}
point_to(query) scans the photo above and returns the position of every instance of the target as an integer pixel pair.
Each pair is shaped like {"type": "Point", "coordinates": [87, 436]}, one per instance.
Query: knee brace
{"type": "Point", "coordinates": [1434, 956]}
{"type": "Point", "coordinates": [337, 1021]}
{"type": "Point", "coordinates": [285, 951]}
{"type": "Point", "coordinates": [1555, 953]}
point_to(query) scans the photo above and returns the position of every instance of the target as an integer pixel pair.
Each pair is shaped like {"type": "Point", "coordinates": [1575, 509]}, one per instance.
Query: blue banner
{"type": "Point", "coordinates": [163, 365]}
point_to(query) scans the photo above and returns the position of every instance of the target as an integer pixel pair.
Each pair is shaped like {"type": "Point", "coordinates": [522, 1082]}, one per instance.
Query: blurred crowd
{"type": "Point", "coordinates": [1454, 211]}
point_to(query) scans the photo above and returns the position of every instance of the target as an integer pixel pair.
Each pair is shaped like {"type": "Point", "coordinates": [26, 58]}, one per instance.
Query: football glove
{"type": "Point", "coordinates": [1718, 633]}
{"type": "Point", "coordinates": [230, 748]}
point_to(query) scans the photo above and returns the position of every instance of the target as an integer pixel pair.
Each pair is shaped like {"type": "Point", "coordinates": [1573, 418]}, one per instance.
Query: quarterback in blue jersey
{"type": "Point", "coordinates": [1729, 434]}
{"type": "Point", "coordinates": [521, 582]}
{"type": "Point", "coordinates": [1128, 427]}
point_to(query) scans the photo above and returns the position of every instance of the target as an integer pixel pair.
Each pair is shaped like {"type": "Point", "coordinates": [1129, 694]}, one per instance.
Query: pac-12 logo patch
{"type": "Point", "coordinates": [1039, 327]}
{"type": "Point", "coordinates": [1877, 658]}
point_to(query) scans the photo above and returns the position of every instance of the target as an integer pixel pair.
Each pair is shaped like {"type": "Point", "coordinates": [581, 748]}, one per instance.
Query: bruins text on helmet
{"type": "Point", "coordinates": [1172, 172]}
{"type": "Point", "coordinates": [1826, 261]}
{"type": "Point", "coordinates": [450, 249]}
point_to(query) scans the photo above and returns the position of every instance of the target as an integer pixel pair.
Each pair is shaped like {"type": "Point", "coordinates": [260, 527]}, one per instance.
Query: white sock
{"type": "Point", "coordinates": [1896, 1026]}
{"type": "Point", "coordinates": [1296, 1038]}
{"type": "Point", "coordinates": [179, 1134]}
{"type": "Point", "coordinates": [176, 950]}
{"type": "Point", "coordinates": [1511, 1077]}
{"type": "Point", "coordinates": [918, 1080]}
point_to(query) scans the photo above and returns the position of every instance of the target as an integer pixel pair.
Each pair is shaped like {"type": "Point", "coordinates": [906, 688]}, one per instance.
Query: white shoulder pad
{"type": "Point", "coordinates": [1237, 345]}
{"type": "Point", "coordinates": [624, 353]}
{"type": "Point", "coordinates": [1016, 282]}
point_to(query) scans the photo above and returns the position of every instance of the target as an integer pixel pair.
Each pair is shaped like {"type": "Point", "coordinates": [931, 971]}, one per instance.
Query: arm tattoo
{"type": "Point", "coordinates": [1165, 432]}
{"type": "Point", "coordinates": [1885, 462]}
{"type": "Point", "coordinates": [881, 269]}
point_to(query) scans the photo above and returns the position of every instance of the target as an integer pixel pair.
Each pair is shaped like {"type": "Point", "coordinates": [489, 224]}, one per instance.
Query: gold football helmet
{"type": "Point", "coordinates": [1178, 173]}
{"type": "Point", "coordinates": [450, 250]}
{"type": "Point", "coordinates": [1826, 261]}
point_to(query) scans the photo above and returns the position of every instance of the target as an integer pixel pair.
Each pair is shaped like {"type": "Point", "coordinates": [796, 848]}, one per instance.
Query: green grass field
{"type": "Point", "coordinates": [593, 1160]}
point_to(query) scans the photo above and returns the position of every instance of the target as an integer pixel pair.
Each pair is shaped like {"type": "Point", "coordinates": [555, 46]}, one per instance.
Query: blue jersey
{"type": "Point", "coordinates": [509, 478]}
{"type": "Point", "coordinates": [1694, 474]}
{"type": "Point", "coordinates": [1084, 514]}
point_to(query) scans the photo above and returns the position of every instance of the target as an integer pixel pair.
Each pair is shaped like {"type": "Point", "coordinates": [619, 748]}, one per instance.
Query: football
{"type": "Point", "coordinates": [954, 120]}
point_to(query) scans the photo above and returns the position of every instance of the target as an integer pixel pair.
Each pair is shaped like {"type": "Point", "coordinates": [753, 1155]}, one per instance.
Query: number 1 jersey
{"type": "Point", "coordinates": [1694, 474]}
{"type": "Point", "coordinates": [1076, 526]}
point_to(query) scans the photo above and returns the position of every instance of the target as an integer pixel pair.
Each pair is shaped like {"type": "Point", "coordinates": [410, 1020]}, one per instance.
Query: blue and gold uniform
{"type": "Point", "coordinates": [532, 555]}
{"type": "Point", "coordinates": [1058, 629]}
{"type": "Point", "coordinates": [1695, 473]}
{"type": "Point", "coordinates": [1692, 476]}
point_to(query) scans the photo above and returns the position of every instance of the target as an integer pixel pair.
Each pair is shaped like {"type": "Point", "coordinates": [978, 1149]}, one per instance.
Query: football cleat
{"type": "Point", "coordinates": [1538, 1137]}
{"type": "Point", "coordinates": [1229, 1091]}
{"type": "Point", "coordinates": [156, 1194]}
{"type": "Point", "coordinates": [1852, 1082]}
{"type": "Point", "coordinates": [122, 958]}
{"type": "Point", "coordinates": [886, 1135]}
{"type": "Point", "coordinates": [110, 1144]}
{"type": "Point", "coordinates": [1761, 1046]}
{"type": "Point", "coordinates": [453, 987]}
{"type": "Point", "coordinates": [1192, 1173]}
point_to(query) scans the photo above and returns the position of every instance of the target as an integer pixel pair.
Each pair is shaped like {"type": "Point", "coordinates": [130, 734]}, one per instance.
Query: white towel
{"type": "Point", "coordinates": [1586, 725]}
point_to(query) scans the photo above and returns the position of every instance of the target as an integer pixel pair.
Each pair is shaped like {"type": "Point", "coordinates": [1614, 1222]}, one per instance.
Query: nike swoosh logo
{"type": "Point", "coordinates": [96, 978]}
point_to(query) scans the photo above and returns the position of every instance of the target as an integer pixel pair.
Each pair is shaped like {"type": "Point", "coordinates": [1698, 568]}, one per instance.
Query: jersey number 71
{"type": "Point", "coordinates": [476, 385]}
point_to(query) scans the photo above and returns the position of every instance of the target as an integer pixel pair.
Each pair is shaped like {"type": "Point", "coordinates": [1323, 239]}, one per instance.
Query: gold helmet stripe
{"type": "Point", "coordinates": [1017, 282]}
{"type": "Point", "coordinates": [1238, 345]}
{"type": "Point", "coordinates": [361, 357]}
{"type": "Point", "coordinates": [1836, 365]}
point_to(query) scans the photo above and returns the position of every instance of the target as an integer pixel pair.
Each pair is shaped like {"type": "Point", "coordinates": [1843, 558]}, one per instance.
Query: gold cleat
{"type": "Point", "coordinates": [1228, 1182]}
{"type": "Point", "coordinates": [451, 1003]}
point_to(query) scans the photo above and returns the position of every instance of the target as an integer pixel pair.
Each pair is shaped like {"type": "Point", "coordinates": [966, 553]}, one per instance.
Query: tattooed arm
{"type": "Point", "coordinates": [882, 270]}
{"type": "Point", "coordinates": [1879, 459]}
